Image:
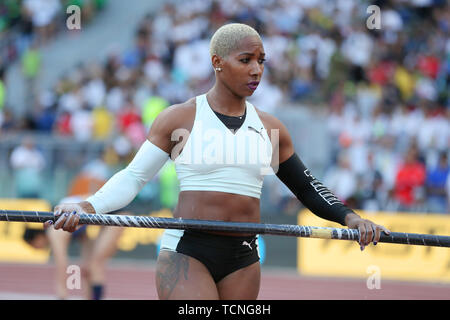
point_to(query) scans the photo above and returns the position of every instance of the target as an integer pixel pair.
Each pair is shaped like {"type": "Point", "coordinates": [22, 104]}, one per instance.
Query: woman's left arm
{"type": "Point", "coordinates": [313, 194]}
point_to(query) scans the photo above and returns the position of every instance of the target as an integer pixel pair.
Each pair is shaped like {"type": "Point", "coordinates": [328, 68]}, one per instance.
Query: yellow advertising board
{"type": "Point", "coordinates": [326, 257]}
{"type": "Point", "coordinates": [12, 246]}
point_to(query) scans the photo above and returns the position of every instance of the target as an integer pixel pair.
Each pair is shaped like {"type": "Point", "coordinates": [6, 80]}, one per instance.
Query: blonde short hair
{"type": "Point", "coordinates": [227, 38]}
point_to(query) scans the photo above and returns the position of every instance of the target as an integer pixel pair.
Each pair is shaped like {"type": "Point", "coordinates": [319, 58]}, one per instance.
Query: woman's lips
{"type": "Point", "coordinates": [252, 85]}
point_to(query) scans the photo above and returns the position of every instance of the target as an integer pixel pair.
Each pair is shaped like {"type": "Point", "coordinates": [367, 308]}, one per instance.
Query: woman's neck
{"type": "Point", "coordinates": [223, 101]}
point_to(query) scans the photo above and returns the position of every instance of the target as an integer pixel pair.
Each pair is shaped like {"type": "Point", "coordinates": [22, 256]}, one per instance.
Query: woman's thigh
{"type": "Point", "coordinates": [242, 284]}
{"type": "Point", "coordinates": [180, 277]}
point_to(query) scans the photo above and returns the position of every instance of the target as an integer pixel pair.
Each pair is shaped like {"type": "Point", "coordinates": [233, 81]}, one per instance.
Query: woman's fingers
{"type": "Point", "coordinates": [362, 235]}
{"type": "Point", "coordinates": [61, 220]}
{"type": "Point", "coordinates": [377, 232]}
{"type": "Point", "coordinates": [369, 233]}
{"type": "Point", "coordinates": [377, 235]}
{"type": "Point", "coordinates": [387, 231]}
{"type": "Point", "coordinates": [67, 221]}
{"type": "Point", "coordinates": [47, 224]}
{"type": "Point", "coordinates": [67, 217]}
{"type": "Point", "coordinates": [71, 222]}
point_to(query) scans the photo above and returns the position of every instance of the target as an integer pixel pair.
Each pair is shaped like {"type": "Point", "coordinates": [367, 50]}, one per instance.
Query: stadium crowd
{"type": "Point", "coordinates": [385, 92]}
{"type": "Point", "coordinates": [24, 22]}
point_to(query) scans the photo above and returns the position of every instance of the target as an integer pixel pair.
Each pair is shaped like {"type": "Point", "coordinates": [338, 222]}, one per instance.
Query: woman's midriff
{"type": "Point", "coordinates": [221, 206]}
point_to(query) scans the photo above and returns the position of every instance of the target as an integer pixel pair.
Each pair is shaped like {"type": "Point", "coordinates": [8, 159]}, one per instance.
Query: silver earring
{"type": "Point", "coordinates": [218, 69]}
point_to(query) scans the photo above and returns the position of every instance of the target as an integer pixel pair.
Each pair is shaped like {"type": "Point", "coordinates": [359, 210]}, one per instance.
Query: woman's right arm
{"type": "Point", "coordinates": [124, 186]}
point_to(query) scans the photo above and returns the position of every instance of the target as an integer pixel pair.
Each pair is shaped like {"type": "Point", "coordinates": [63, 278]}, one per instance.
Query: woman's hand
{"type": "Point", "coordinates": [67, 215]}
{"type": "Point", "coordinates": [368, 230]}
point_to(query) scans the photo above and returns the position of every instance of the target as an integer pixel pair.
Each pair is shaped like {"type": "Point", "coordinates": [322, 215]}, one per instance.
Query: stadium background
{"type": "Point", "coordinates": [368, 109]}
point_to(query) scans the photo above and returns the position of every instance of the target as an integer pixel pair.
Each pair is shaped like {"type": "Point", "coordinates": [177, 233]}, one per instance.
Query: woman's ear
{"type": "Point", "coordinates": [216, 62]}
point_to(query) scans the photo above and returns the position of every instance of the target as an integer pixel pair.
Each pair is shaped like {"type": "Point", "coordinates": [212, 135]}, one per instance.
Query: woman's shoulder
{"type": "Point", "coordinates": [269, 120]}
{"type": "Point", "coordinates": [180, 109]}
{"type": "Point", "coordinates": [178, 115]}
{"type": "Point", "coordinates": [173, 118]}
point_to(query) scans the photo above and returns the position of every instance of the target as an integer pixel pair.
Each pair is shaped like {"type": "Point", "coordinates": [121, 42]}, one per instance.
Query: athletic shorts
{"type": "Point", "coordinates": [220, 254]}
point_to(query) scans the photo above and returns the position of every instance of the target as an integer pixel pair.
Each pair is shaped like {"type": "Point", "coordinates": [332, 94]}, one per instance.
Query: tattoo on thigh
{"type": "Point", "coordinates": [171, 268]}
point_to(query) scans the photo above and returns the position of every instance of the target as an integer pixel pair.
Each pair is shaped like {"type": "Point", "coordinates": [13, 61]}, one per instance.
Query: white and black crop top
{"type": "Point", "coordinates": [215, 158]}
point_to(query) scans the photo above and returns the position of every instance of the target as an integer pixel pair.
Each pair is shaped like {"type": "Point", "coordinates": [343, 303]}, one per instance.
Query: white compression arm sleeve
{"type": "Point", "coordinates": [124, 186]}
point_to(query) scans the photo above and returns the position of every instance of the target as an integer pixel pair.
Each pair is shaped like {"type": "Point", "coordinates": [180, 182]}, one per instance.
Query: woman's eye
{"type": "Point", "coordinates": [247, 60]}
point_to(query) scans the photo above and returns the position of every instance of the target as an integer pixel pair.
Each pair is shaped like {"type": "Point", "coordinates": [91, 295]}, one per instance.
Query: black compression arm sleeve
{"type": "Point", "coordinates": [311, 192]}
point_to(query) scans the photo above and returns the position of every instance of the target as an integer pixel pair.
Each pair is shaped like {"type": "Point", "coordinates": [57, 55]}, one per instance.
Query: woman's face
{"type": "Point", "coordinates": [242, 69]}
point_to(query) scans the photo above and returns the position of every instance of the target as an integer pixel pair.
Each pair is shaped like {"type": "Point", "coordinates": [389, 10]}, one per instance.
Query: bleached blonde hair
{"type": "Point", "coordinates": [228, 37]}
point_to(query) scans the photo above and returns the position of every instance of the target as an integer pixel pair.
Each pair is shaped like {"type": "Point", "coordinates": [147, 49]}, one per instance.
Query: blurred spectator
{"type": "Point", "coordinates": [387, 160]}
{"type": "Point", "coordinates": [62, 124]}
{"type": "Point", "coordinates": [357, 48]}
{"type": "Point", "coordinates": [82, 124]}
{"type": "Point", "coordinates": [27, 163]}
{"type": "Point", "coordinates": [410, 181]}
{"type": "Point", "coordinates": [436, 182]}
{"type": "Point", "coordinates": [372, 194]}
{"type": "Point", "coordinates": [31, 67]}
{"type": "Point", "coordinates": [340, 179]}
{"type": "Point", "coordinates": [91, 177]}
{"type": "Point", "coordinates": [2, 87]}
{"type": "Point", "coordinates": [130, 124]}
{"type": "Point", "coordinates": [127, 116]}
{"type": "Point", "coordinates": [7, 122]}
{"type": "Point", "coordinates": [103, 122]}
{"type": "Point", "coordinates": [43, 15]}
{"type": "Point", "coordinates": [2, 97]}
{"type": "Point", "coordinates": [278, 199]}
{"type": "Point", "coordinates": [45, 112]}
